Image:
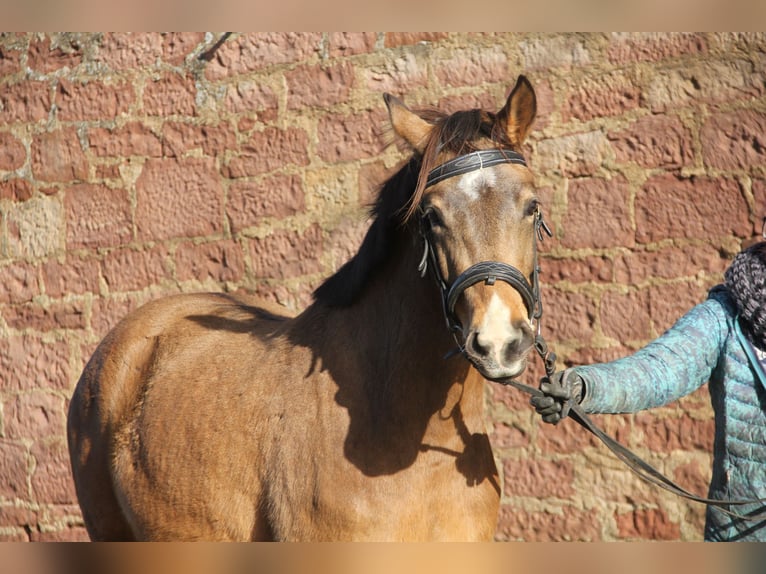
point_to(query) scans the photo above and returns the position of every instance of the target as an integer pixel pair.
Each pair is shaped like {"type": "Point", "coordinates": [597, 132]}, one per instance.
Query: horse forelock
{"type": "Point", "coordinates": [457, 134]}
{"type": "Point", "coordinates": [398, 198]}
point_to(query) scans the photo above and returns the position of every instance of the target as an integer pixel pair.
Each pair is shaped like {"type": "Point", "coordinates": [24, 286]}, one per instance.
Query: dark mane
{"type": "Point", "coordinates": [342, 288]}
{"type": "Point", "coordinates": [399, 197]}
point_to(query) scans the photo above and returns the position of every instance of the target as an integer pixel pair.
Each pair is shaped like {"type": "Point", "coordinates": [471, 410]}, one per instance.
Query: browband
{"type": "Point", "coordinates": [473, 161]}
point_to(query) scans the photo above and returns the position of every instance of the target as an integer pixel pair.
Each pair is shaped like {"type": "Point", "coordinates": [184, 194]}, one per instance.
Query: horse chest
{"type": "Point", "coordinates": [432, 499]}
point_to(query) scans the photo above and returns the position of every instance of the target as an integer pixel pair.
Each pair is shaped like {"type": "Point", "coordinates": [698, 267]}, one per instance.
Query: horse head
{"type": "Point", "coordinates": [479, 217]}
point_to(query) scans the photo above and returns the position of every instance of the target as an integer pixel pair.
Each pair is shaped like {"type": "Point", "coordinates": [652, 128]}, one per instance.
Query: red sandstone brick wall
{"type": "Point", "coordinates": [134, 166]}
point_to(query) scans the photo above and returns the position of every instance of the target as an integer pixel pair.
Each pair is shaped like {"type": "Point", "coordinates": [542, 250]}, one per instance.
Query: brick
{"type": "Point", "coordinates": [575, 155]}
{"type": "Point", "coordinates": [734, 140]}
{"type": "Point", "coordinates": [647, 524]}
{"type": "Point", "coordinates": [171, 94]}
{"type": "Point", "coordinates": [507, 435]}
{"type": "Point", "coordinates": [268, 150]}
{"type": "Point", "coordinates": [513, 400]}
{"type": "Point", "coordinates": [13, 154]}
{"type": "Point", "coordinates": [68, 534]}
{"type": "Point", "coordinates": [107, 312]}
{"type": "Point", "coordinates": [351, 43]}
{"type": "Point", "coordinates": [16, 189]}
{"type": "Point", "coordinates": [601, 95]}
{"type": "Point", "coordinates": [625, 316]}
{"type": "Point", "coordinates": [471, 67]}
{"type": "Point", "coordinates": [563, 438]}
{"type": "Point", "coordinates": [636, 267]}
{"type": "Point", "coordinates": [397, 75]}
{"type": "Point", "coordinates": [247, 124]}
{"type": "Point", "coordinates": [249, 203]}
{"type": "Point", "coordinates": [693, 477]}
{"type": "Point", "coordinates": [546, 103]}
{"type": "Point", "coordinates": [257, 51]}
{"type": "Point", "coordinates": [16, 536]}
{"type": "Point", "coordinates": [26, 363]}
{"type": "Point", "coordinates": [14, 467]}
{"type": "Point", "coordinates": [25, 101]}
{"type": "Point", "coordinates": [176, 46]}
{"type": "Point", "coordinates": [319, 86]}
{"type": "Point", "coordinates": [563, 51]}
{"type": "Point", "coordinates": [395, 39]}
{"type": "Point", "coordinates": [18, 282]}
{"type": "Point", "coordinates": [702, 82]}
{"type": "Point", "coordinates": [538, 478]}
{"type": "Point", "coordinates": [45, 58]}
{"type": "Point", "coordinates": [284, 254]}
{"type": "Point", "coordinates": [372, 176]}
{"type": "Point", "coordinates": [131, 270]}
{"type": "Point", "coordinates": [598, 214]}
{"type": "Point", "coordinates": [97, 216]}
{"type": "Point", "coordinates": [350, 137]}
{"type": "Point", "coordinates": [577, 270]}
{"type": "Point", "coordinates": [344, 241]}
{"type": "Point", "coordinates": [35, 227]}
{"type": "Point", "coordinates": [58, 156]}
{"type": "Point", "coordinates": [213, 140]}
{"type": "Point", "coordinates": [627, 48]}
{"type": "Point", "coordinates": [34, 416]}
{"type": "Point", "coordinates": [668, 206]}
{"type": "Point", "coordinates": [589, 355]}
{"type": "Point", "coordinates": [222, 261]}
{"type": "Point", "coordinates": [76, 275]}
{"type": "Point", "coordinates": [579, 311]}
{"type": "Point", "coordinates": [94, 100]}
{"type": "Point", "coordinates": [66, 315]}
{"type": "Point", "coordinates": [469, 101]}
{"type": "Point", "coordinates": [10, 61]}
{"type": "Point", "coordinates": [292, 298]}
{"type": "Point", "coordinates": [122, 51]}
{"type": "Point", "coordinates": [178, 198]}
{"type": "Point", "coordinates": [249, 96]}
{"type": "Point", "coordinates": [570, 524]}
{"type": "Point", "coordinates": [132, 139]}
{"type": "Point", "coordinates": [656, 141]}
{"type": "Point", "coordinates": [17, 516]}
{"type": "Point", "coordinates": [668, 302]}
{"type": "Point", "coordinates": [52, 476]}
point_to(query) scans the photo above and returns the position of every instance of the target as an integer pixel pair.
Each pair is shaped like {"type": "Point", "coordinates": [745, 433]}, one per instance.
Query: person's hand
{"type": "Point", "coordinates": [562, 390]}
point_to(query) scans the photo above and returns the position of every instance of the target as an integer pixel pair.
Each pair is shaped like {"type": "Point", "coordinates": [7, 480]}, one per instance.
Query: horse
{"type": "Point", "coordinates": [210, 416]}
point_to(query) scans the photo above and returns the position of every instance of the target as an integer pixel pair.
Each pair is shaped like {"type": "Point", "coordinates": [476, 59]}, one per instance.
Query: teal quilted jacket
{"type": "Point", "coordinates": [705, 345]}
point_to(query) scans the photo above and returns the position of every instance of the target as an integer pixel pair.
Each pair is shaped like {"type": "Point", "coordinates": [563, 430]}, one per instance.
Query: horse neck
{"type": "Point", "coordinates": [394, 338]}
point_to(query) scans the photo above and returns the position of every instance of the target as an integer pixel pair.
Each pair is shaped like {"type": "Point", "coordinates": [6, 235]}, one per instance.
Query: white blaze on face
{"type": "Point", "coordinates": [496, 328]}
{"type": "Point", "coordinates": [471, 183]}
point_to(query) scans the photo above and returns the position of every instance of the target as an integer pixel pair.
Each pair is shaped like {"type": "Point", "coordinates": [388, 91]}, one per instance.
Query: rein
{"type": "Point", "coordinates": [491, 271]}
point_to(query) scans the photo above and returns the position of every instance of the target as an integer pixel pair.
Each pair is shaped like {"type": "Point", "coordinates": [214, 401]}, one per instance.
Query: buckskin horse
{"type": "Point", "coordinates": [209, 417]}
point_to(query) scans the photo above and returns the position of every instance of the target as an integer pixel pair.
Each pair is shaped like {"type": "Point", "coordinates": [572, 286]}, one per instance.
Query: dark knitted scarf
{"type": "Point", "coordinates": [746, 281]}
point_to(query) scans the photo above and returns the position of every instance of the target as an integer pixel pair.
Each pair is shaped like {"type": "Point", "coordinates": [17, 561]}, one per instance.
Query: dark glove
{"type": "Point", "coordinates": [560, 392]}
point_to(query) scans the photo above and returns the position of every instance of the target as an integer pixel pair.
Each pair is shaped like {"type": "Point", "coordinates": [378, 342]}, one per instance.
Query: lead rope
{"type": "Point", "coordinates": [636, 464]}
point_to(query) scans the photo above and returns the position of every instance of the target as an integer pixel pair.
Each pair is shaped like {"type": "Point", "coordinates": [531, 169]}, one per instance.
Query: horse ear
{"type": "Point", "coordinates": [407, 124]}
{"type": "Point", "coordinates": [519, 111]}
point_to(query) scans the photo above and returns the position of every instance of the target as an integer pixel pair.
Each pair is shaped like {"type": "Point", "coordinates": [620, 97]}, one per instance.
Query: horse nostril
{"type": "Point", "coordinates": [516, 346]}
{"type": "Point", "coordinates": [476, 347]}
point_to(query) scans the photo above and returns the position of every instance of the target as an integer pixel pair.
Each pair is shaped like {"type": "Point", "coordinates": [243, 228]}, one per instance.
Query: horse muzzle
{"type": "Point", "coordinates": [501, 352]}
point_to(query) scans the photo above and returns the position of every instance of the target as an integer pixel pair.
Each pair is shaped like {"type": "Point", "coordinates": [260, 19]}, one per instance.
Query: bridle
{"type": "Point", "coordinates": [490, 272]}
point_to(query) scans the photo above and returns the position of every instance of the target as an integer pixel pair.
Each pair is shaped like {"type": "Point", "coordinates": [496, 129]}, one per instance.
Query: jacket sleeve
{"type": "Point", "coordinates": [670, 367]}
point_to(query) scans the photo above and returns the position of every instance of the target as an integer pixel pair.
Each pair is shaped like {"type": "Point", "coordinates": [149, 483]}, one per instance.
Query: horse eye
{"type": "Point", "coordinates": [433, 218]}
{"type": "Point", "coordinates": [531, 208]}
